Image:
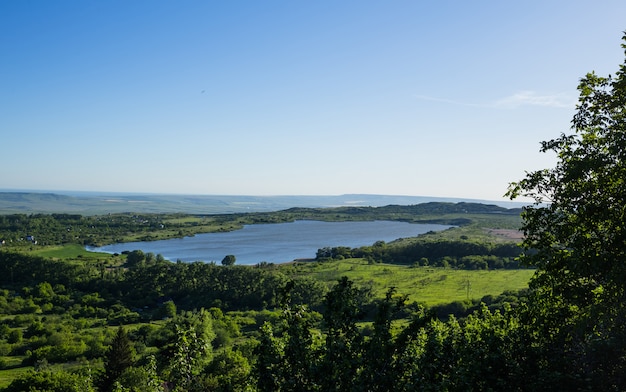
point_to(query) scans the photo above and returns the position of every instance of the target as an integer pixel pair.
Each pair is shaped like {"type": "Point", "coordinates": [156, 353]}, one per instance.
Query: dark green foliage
{"type": "Point", "coordinates": [410, 211]}
{"type": "Point", "coordinates": [118, 358]}
{"type": "Point", "coordinates": [229, 371]}
{"type": "Point", "coordinates": [576, 227]}
{"type": "Point", "coordinates": [169, 309]}
{"type": "Point", "coordinates": [288, 362]}
{"type": "Point", "coordinates": [269, 360]}
{"type": "Point", "coordinates": [17, 269]}
{"type": "Point", "coordinates": [135, 258]}
{"type": "Point", "coordinates": [443, 253]}
{"type": "Point", "coordinates": [200, 284]}
{"type": "Point", "coordinates": [485, 351]}
{"type": "Point", "coordinates": [147, 284]}
{"type": "Point", "coordinates": [56, 229]}
{"type": "Point", "coordinates": [342, 355]}
{"type": "Point", "coordinates": [380, 370]}
{"type": "Point", "coordinates": [228, 260]}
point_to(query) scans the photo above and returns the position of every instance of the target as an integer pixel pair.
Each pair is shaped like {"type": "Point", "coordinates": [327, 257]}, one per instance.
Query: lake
{"type": "Point", "coordinates": [276, 242]}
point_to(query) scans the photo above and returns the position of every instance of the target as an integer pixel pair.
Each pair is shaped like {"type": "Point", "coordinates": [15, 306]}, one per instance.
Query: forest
{"type": "Point", "coordinates": [136, 322]}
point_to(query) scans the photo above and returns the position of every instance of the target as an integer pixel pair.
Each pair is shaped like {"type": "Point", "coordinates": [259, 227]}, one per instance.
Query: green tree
{"type": "Point", "coordinates": [229, 260]}
{"type": "Point", "coordinates": [140, 379]}
{"type": "Point", "coordinates": [380, 371]}
{"type": "Point", "coordinates": [169, 309]}
{"type": "Point", "coordinates": [229, 371]}
{"type": "Point", "coordinates": [135, 257]}
{"type": "Point", "coordinates": [14, 336]}
{"type": "Point", "coordinates": [44, 291]}
{"type": "Point", "coordinates": [269, 353]}
{"type": "Point", "coordinates": [341, 360]}
{"type": "Point", "coordinates": [191, 350]}
{"type": "Point", "coordinates": [118, 358]}
{"type": "Point", "coordinates": [577, 235]}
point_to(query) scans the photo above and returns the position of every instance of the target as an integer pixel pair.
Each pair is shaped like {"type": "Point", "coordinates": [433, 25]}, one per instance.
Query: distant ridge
{"type": "Point", "coordinates": [88, 203]}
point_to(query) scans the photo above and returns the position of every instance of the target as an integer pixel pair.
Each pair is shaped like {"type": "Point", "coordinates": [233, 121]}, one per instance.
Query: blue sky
{"type": "Point", "coordinates": [446, 98]}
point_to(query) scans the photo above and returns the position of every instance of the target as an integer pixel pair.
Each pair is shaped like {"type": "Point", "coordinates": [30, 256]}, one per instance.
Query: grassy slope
{"type": "Point", "coordinates": [430, 286]}
{"type": "Point", "coordinates": [67, 252]}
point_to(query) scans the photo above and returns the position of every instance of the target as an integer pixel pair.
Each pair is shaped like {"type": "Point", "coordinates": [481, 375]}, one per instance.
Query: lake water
{"type": "Point", "coordinates": [277, 242]}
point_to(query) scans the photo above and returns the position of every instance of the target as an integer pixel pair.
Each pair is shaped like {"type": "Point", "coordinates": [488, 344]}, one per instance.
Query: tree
{"type": "Point", "coordinates": [380, 370]}
{"type": "Point", "coordinates": [577, 233]}
{"type": "Point", "coordinates": [269, 353]}
{"type": "Point", "coordinates": [169, 309]}
{"type": "Point", "coordinates": [135, 257]}
{"type": "Point", "coordinates": [190, 350]}
{"type": "Point", "coordinates": [228, 371]}
{"type": "Point", "coordinates": [342, 352]}
{"type": "Point", "coordinates": [229, 260]}
{"type": "Point", "coordinates": [143, 378]}
{"type": "Point", "coordinates": [118, 358]}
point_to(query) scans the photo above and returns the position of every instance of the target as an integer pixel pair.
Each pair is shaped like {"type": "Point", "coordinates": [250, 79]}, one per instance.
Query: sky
{"type": "Point", "coordinates": [424, 98]}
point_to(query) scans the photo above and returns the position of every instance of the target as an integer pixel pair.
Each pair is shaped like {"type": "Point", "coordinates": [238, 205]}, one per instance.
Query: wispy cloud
{"type": "Point", "coordinates": [519, 99]}
{"type": "Point", "coordinates": [532, 98]}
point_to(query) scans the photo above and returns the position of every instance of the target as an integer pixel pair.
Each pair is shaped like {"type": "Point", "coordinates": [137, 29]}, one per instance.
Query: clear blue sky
{"type": "Point", "coordinates": [437, 98]}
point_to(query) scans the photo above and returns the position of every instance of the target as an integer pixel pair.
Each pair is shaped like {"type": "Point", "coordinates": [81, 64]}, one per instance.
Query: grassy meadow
{"type": "Point", "coordinates": [68, 252]}
{"type": "Point", "coordinates": [426, 285]}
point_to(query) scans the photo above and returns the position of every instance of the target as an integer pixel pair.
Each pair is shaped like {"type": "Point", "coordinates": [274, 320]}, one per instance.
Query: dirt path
{"type": "Point", "coordinates": [509, 234]}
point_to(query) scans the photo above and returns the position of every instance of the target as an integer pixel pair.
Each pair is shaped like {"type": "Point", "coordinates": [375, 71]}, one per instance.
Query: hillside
{"type": "Point", "coordinates": [87, 203]}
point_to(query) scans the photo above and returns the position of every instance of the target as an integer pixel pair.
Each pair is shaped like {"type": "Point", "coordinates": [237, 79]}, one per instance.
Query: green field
{"type": "Point", "coordinates": [68, 252]}
{"type": "Point", "coordinates": [429, 286]}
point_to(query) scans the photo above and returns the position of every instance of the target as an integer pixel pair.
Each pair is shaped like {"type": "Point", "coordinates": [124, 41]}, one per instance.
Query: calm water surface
{"type": "Point", "coordinates": [276, 243]}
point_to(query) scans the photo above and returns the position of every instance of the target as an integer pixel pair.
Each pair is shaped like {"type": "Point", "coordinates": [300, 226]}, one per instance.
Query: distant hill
{"type": "Point", "coordinates": [86, 203]}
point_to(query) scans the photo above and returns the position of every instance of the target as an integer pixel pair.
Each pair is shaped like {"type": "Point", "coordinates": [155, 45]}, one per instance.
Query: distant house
{"type": "Point", "coordinates": [31, 238]}
{"type": "Point", "coordinates": [3, 242]}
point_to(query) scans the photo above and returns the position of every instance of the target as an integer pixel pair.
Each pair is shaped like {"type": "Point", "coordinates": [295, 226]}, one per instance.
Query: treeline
{"type": "Point", "coordinates": [487, 350]}
{"type": "Point", "coordinates": [455, 214]}
{"type": "Point", "coordinates": [20, 230]}
{"type": "Point", "coordinates": [431, 208]}
{"type": "Point", "coordinates": [145, 281]}
{"type": "Point", "coordinates": [461, 254]}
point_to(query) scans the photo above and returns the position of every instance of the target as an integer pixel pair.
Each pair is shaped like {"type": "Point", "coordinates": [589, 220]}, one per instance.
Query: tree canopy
{"type": "Point", "coordinates": [229, 260]}
{"type": "Point", "coordinates": [575, 232]}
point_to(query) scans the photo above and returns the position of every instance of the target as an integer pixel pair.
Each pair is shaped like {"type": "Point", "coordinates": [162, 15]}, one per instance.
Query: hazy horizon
{"type": "Point", "coordinates": [138, 193]}
{"type": "Point", "coordinates": [97, 203]}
